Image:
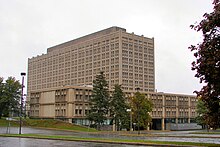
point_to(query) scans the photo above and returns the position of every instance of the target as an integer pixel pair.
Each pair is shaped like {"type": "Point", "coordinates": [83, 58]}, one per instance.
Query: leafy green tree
{"type": "Point", "coordinates": [119, 108]}
{"type": "Point", "coordinates": [141, 107]}
{"type": "Point", "coordinates": [99, 101]}
{"type": "Point", "coordinates": [1, 96]}
{"type": "Point", "coordinates": [201, 111]}
{"type": "Point", "coordinates": [207, 63]}
{"type": "Point", "coordinates": [10, 93]}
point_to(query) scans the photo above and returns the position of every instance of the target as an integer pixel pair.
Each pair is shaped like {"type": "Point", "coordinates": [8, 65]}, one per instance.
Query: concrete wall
{"type": "Point", "coordinates": [185, 126]}
{"type": "Point", "coordinates": [47, 101]}
{"type": "Point", "coordinates": [47, 97]}
{"type": "Point", "coordinates": [47, 111]}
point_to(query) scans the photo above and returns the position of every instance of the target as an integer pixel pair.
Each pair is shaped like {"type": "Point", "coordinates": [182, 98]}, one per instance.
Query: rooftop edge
{"type": "Point", "coordinates": [102, 32]}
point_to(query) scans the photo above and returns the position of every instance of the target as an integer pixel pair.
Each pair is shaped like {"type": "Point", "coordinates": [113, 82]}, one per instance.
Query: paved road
{"type": "Point", "coordinates": [27, 142]}
{"type": "Point", "coordinates": [205, 138]}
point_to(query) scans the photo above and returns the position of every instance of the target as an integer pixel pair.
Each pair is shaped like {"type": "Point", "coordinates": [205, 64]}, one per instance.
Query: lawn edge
{"type": "Point", "coordinates": [95, 140]}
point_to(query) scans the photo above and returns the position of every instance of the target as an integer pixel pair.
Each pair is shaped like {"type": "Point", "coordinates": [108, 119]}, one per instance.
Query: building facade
{"type": "Point", "coordinates": [70, 103]}
{"type": "Point", "coordinates": [126, 59]}
{"type": "Point", "coordinates": [59, 82]}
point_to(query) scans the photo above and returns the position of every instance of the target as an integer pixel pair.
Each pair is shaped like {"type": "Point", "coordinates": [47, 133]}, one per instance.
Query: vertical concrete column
{"type": "Point", "coordinates": [120, 57]}
{"type": "Point", "coordinates": [69, 110]}
{"type": "Point", "coordinates": [154, 63]}
{"type": "Point", "coordinates": [177, 109]}
{"type": "Point", "coordinates": [67, 102]}
{"type": "Point", "coordinates": [83, 102]}
{"type": "Point", "coordinates": [176, 120]}
{"type": "Point", "coordinates": [143, 86]}
{"type": "Point", "coordinates": [134, 88]}
{"type": "Point", "coordinates": [162, 124]}
{"type": "Point", "coordinates": [189, 111]}
{"type": "Point", "coordinates": [92, 61]}
{"type": "Point", "coordinates": [40, 108]}
{"type": "Point", "coordinates": [163, 113]}
{"type": "Point", "coordinates": [70, 120]}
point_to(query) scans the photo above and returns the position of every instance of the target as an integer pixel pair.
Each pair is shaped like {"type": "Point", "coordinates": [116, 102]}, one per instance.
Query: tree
{"type": "Point", "coordinates": [10, 93]}
{"type": "Point", "coordinates": [207, 64]}
{"type": "Point", "coordinates": [1, 96]}
{"type": "Point", "coordinates": [119, 108]}
{"type": "Point", "coordinates": [141, 107]}
{"type": "Point", "coordinates": [201, 111]}
{"type": "Point", "coordinates": [99, 102]}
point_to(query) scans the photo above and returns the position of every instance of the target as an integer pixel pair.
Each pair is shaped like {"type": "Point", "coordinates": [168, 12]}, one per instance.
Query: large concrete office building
{"type": "Point", "coordinates": [125, 58]}
{"type": "Point", "coordinates": [59, 82]}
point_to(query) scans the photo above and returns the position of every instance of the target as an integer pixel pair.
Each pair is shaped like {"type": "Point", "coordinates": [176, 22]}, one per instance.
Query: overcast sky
{"type": "Point", "coordinates": [29, 27]}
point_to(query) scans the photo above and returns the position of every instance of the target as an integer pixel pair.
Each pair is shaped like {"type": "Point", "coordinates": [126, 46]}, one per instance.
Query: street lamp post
{"type": "Point", "coordinates": [138, 107]}
{"type": "Point", "coordinates": [24, 104]}
{"type": "Point", "coordinates": [21, 101]}
{"type": "Point", "coordinates": [129, 110]}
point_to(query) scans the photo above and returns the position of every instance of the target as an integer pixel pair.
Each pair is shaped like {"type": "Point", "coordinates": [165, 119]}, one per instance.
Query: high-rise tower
{"type": "Point", "coordinates": [126, 59]}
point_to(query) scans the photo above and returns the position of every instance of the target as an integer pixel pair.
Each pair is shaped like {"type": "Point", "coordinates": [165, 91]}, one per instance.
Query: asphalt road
{"type": "Point", "coordinates": [202, 138]}
{"type": "Point", "coordinates": [27, 142]}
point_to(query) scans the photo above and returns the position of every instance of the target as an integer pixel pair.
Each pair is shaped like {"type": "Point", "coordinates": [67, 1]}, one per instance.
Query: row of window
{"type": "Point", "coordinates": [61, 73]}
{"type": "Point", "coordinates": [139, 40]}
{"type": "Point", "coordinates": [60, 112]}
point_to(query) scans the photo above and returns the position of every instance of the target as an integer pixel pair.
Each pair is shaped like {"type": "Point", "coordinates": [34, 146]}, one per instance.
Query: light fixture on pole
{"type": "Point", "coordinates": [129, 110]}
{"type": "Point", "coordinates": [21, 101]}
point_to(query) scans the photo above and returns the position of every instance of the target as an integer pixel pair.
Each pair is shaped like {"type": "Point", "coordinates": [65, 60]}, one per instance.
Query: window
{"type": "Point", "coordinates": [80, 112]}
{"type": "Point", "coordinates": [76, 111]}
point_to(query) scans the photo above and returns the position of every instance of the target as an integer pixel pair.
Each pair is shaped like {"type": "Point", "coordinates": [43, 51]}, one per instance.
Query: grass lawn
{"type": "Point", "coordinates": [5, 123]}
{"type": "Point", "coordinates": [135, 142]}
{"type": "Point", "coordinates": [50, 124]}
{"type": "Point", "coordinates": [212, 132]}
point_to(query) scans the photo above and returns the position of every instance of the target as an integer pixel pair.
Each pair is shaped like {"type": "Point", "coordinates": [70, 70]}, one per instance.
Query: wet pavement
{"type": "Point", "coordinates": [188, 133]}
{"type": "Point", "coordinates": [164, 136]}
{"type": "Point", "coordinates": [27, 142]}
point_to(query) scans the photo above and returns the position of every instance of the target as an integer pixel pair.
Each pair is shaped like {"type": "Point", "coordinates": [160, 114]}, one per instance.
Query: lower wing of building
{"type": "Point", "coordinates": [71, 103]}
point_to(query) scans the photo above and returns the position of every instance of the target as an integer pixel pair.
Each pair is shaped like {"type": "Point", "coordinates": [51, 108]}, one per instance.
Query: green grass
{"type": "Point", "coordinates": [5, 123]}
{"type": "Point", "coordinates": [47, 123]}
{"type": "Point", "coordinates": [74, 138]}
{"type": "Point", "coordinates": [56, 124]}
{"type": "Point", "coordinates": [205, 132]}
{"type": "Point", "coordinates": [170, 136]}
